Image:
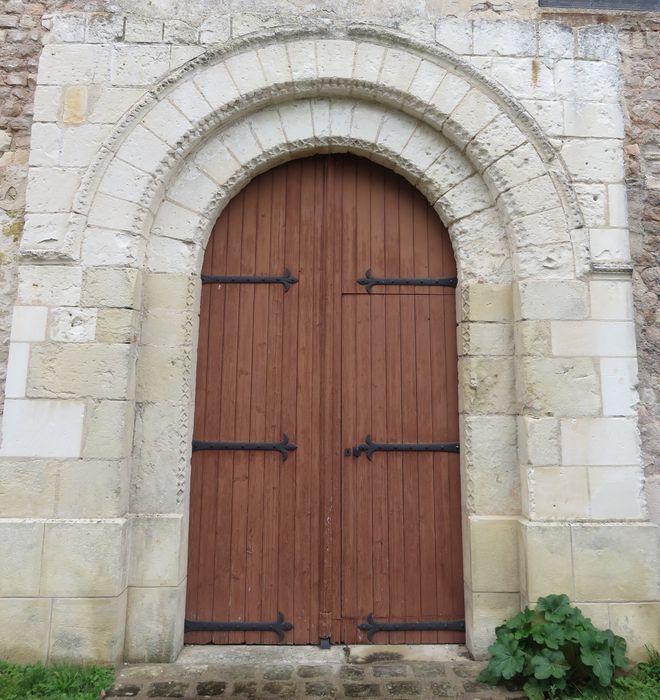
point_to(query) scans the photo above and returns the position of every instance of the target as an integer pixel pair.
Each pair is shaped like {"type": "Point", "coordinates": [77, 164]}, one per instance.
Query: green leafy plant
{"type": "Point", "coordinates": [552, 649]}
{"type": "Point", "coordinates": [38, 682]}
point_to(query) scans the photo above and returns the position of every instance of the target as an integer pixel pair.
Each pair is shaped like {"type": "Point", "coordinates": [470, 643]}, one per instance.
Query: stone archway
{"type": "Point", "coordinates": [132, 252]}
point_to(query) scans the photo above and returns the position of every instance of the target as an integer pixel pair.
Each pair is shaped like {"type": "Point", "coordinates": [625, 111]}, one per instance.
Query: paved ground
{"type": "Point", "coordinates": [277, 672]}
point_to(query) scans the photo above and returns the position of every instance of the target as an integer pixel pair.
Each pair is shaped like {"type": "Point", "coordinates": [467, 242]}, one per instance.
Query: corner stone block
{"type": "Point", "coordinates": [538, 441]}
{"type": "Point", "coordinates": [157, 551]}
{"type": "Point", "coordinates": [62, 370]}
{"type": "Point", "coordinates": [334, 58]}
{"type": "Point", "coordinates": [560, 493]}
{"type": "Point", "coordinates": [21, 543]}
{"type": "Point", "coordinates": [88, 630]}
{"type": "Point", "coordinates": [494, 554]}
{"type": "Point", "coordinates": [599, 441]}
{"type": "Point", "coordinates": [546, 564]}
{"type": "Point", "coordinates": [176, 292]}
{"type": "Point", "coordinates": [596, 338]}
{"type": "Point", "coordinates": [154, 627]}
{"type": "Point", "coordinates": [108, 429]}
{"type": "Point", "coordinates": [616, 562]}
{"type": "Point", "coordinates": [487, 385]}
{"type": "Point", "coordinates": [116, 325]}
{"type": "Point", "coordinates": [611, 300]}
{"type": "Point", "coordinates": [562, 299]}
{"type": "Point", "coordinates": [619, 386]}
{"type": "Point", "coordinates": [503, 38]}
{"type": "Point", "coordinates": [24, 623]}
{"type": "Point", "coordinates": [42, 428]}
{"type": "Point", "coordinates": [639, 625]}
{"type": "Point", "coordinates": [617, 493]}
{"type": "Point", "coordinates": [161, 373]}
{"type": "Point", "coordinates": [113, 287]}
{"type": "Point", "coordinates": [51, 285]}
{"type": "Point", "coordinates": [488, 302]}
{"type": "Point", "coordinates": [84, 558]}
{"type": "Point", "coordinates": [484, 612]}
{"type": "Point", "coordinates": [28, 323]}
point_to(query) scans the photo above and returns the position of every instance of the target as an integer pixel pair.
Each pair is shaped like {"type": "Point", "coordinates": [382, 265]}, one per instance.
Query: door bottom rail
{"type": "Point", "coordinates": [372, 626]}
{"type": "Point", "coordinates": [279, 627]}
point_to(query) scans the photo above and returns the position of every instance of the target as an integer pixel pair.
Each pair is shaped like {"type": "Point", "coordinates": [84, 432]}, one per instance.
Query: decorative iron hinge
{"type": "Point", "coordinates": [283, 447]}
{"type": "Point", "coordinates": [369, 447]}
{"type": "Point", "coordinates": [372, 627]}
{"type": "Point", "coordinates": [369, 281]}
{"type": "Point", "coordinates": [286, 279]}
{"type": "Point", "coordinates": [279, 626]}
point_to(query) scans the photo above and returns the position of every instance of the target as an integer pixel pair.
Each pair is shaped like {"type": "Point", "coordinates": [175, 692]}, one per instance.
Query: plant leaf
{"type": "Point", "coordinates": [533, 690]}
{"type": "Point", "coordinates": [555, 608]}
{"type": "Point", "coordinates": [595, 653]}
{"type": "Point", "coordinates": [549, 664]}
{"type": "Point", "coordinates": [507, 659]}
{"type": "Point", "coordinates": [550, 635]}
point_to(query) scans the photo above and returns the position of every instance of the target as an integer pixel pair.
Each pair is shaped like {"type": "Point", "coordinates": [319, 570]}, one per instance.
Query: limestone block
{"type": "Point", "coordinates": [216, 85]}
{"type": "Point", "coordinates": [514, 168]}
{"type": "Point", "coordinates": [42, 428]}
{"type": "Point", "coordinates": [70, 325]}
{"type": "Point", "coordinates": [320, 120]}
{"type": "Point", "coordinates": [215, 29]}
{"type": "Point", "coordinates": [560, 493]}
{"type": "Point", "coordinates": [28, 488]}
{"type": "Point", "coordinates": [487, 385]}
{"type": "Point", "coordinates": [47, 231]}
{"type": "Point", "coordinates": [426, 81]}
{"type": "Point", "coordinates": [108, 247]}
{"type": "Point", "coordinates": [599, 441]}
{"type": "Point", "coordinates": [173, 291]}
{"type": "Point", "coordinates": [154, 624]}
{"type": "Point", "coordinates": [484, 612]}
{"type": "Point", "coordinates": [74, 64]}
{"type": "Point", "coordinates": [52, 189]}
{"type": "Point", "coordinates": [398, 69]}
{"type": "Point", "coordinates": [594, 160]}
{"type": "Point", "coordinates": [89, 488]}
{"type": "Point", "coordinates": [549, 299]}
{"type": "Point", "coordinates": [81, 143]}
{"type": "Point", "coordinates": [110, 286]}
{"type": "Point", "coordinates": [169, 255]}
{"type": "Point", "coordinates": [246, 72]}
{"type": "Point", "coordinates": [108, 104]}
{"type": "Point", "coordinates": [178, 32]}
{"type": "Point", "coordinates": [609, 244]}
{"type": "Point", "coordinates": [104, 27]}
{"type": "Point", "coordinates": [468, 118]}
{"type": "Point", "coordinates": [140, 30]}
{"type": "Point", "coordinates": [552, 261]}
{"type": "Point", "coordinates": [167, 122]}
{"type": "Point", "coordinates": [174, 221]}
{"type": "Point", "coordinates": [71, 370]}
{"type": "Point", "coordinates": [17, 368]}
{"type": "Point", "coordinates": [545, 228]}
{"type": "Point", "coordinates": [555, 40]}
{"type": "Point", "coordinates": [619, 386]}
{"type": "Point", "coordinates": [160, 374]}
{"type": "Point", "coordinates": [181, 54]}
{"type": "Point", "coordinates": [450, 168]}
{"type": "Point", "coordinates": [546, 558]}
{"type": "Point", "coordinates": [193, 189]}
{"type": "Point", "coordinates": [497, 139]}
{"type": "Point", "coordinates": [592, 119]}
{"type": "Point", "coordinates": [639, 625]}
{"type": "Point", "coordinates": [530, 197]}
{"type": "Point", "coordinates": [124, 181]}
{"type": "Point", "coordinates": [598, 43]}
{"type": "Point", "coordinates": [489, 302]}
{"type": "Point", "coordinates": [241, 142]}
{"type": "Point", "coordinates": [486, 339]}
{"type": "Point", "coordinates": [275, 63]}
{"type": "Point", "coordinates": [21, 543]}
{"type": "Point", "coordinates": [532, 338]}
{"type": "Point", "coordinates": [88, 630]}
{"type": "Point", "coordinates": [368, 61]}
{"type": "Point", "coordinates": [109, 211]}
{"type": "Point", "coordinates": [538, 441]}
{"type": "Point", "coordinates": [84, 558]}
{"type": "Point", "coordinates": [616, 562]}
{"type": "Point", "coordinates": [116, 325]}
{"type": "Point", "coordinates": [503, 38]}
{"type": "Point", "coordinates": [590, 81]}
{"type": "Point", "coordinates": [157, 456]}
{"type": "Point", "coordinates": [450, 92]}
{"type": "Point", "coordinates": [45, 144]}
{"type": "Point", "coordinates": [296, 120]}
{"type": "Point", "coordinates": [489, 454]}
{"type": "Point", "coordinates": [143, 149]}
{"type": "Point", "coordinates": [157, 550]}
{"type": "Point", "coordinates": [559, 387]}
{"type": "Point", "coordinates": [598, 613]}
{"type": "Point", "coordinates": [188, 98]}
{"type": "Point", "coordinates": [599, 338]}
{"type": "Point", "coordinates": [593, 203]}
{"type": "Point", "coordinates": [108, 429]}
{"type": "Point", "coordinates": [395, 132]}
{"type": "Point", "coordinates": [334, 58]}
{"type": "Point", "coordinates": [617, 493]}
{"type": "Point", "coordinates": [421, 29]}
{"type": "Point", "coordinates": [166, 328]}
{"type": "Point", "coordinates": [25, 623]}
{"type": "Point", "coordinates": [455, 34]}
{"type": "Point", "coordinates": [423, 147]}
{"type": "Point", "coordinates": [65, 27]}
{"type": "Point", "coordinates": [494, 554]}
{"type": "Point", "coordinates": [526, 78]}
{"type": "Point", "coordinates": [466, 198]}
{"type": "Point", "coordinates": [137, 65]}
{"type": "Point", "coordinates": [28, 323]}
{"type": "Point", "coordinates": [217, 162]}
{"type": "Point", "coordinates": [618, 205]}
{"type": "Point", "coordinates": [47, 103]}
{"type": "Point", "coordinates": [549, 115]}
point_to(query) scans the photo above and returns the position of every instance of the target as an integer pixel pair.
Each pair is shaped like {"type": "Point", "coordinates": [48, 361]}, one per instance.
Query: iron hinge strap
{"type": "Point", "coordinates": [279, 626]}
{"type": "Point", "coordinates": [368, 447]}
{"type": "Point", "coordinates": [286, 279]}
{"type": "Point", "coordinates": [372, 626]}
{"type": "Point", "coordinates": [283, 446]}
{"type": "Point", "coordinates": [370, 281]}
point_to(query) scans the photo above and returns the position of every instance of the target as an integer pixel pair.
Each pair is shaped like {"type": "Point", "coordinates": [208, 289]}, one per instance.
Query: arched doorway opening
{"type": "Point", "coordinates": [325, 475]}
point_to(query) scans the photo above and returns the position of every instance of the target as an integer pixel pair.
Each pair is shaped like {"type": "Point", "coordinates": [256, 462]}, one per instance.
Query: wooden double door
{"type": "Point", "coordinates": [363, 517]}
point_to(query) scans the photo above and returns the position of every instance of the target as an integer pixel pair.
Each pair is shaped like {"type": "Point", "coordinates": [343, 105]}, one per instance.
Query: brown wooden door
{"type": "Point", "coordinates": [324, 538]}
